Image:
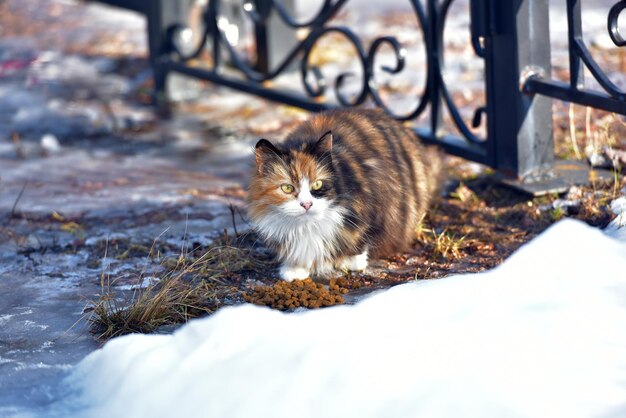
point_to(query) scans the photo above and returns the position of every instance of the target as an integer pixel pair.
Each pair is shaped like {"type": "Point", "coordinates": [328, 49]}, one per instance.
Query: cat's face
{"type": "Point", "coordinates": [293, 182]}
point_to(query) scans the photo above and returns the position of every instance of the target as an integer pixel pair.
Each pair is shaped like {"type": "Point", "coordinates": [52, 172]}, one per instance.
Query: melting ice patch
{"type": "Point", "coordinates": [5, 318]}
{"type": "Point", "coordinates": [41, 365]}
{"type": "Point", "coordinates": [33, 324]}
{"type": "Point", "coordinates": [143, 283]}
{"type": "Point", "coordinates": [541, 335]}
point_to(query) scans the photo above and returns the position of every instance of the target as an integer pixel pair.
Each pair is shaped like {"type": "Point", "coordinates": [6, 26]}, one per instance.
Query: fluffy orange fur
{"type": "Point", "coordinates": [378, 181]}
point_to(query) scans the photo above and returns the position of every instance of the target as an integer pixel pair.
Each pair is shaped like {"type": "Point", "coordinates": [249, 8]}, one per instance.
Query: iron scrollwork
{"type": "Point", "coordinates": [580, 48]}
{"type": "Point", "coordinates": [612, 21]}
{"type": "Point", "coordinates": [430, 21]}
{"type": "Point", "coordinates": [612, 98]}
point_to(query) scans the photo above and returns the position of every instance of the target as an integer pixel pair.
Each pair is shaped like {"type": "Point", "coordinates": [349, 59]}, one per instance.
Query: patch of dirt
{"type": "Point", "coordinates": [473, 227]}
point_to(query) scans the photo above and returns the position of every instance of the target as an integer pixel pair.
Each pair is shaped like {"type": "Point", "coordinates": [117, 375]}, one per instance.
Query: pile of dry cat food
{"type": "Point", "coordinates": [299, 293]}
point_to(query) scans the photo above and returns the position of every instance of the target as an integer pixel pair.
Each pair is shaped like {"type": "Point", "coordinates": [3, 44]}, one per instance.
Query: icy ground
{"type": "Point", "coordinates": [540, 336]}
{"type": "Point", "coordinates": [75, 201]}
{"type": "Point", "coordinates": [83, 166]}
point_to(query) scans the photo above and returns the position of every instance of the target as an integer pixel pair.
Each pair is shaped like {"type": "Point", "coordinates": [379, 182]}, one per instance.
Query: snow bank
{"type": "Point", "coordinates": [543, 335]}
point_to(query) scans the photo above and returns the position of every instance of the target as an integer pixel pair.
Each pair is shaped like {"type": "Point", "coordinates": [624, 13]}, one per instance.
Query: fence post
{"type": "Point", "coordinates": [161, 14]}
{"type": "Point", "coordinates": [520, 125]}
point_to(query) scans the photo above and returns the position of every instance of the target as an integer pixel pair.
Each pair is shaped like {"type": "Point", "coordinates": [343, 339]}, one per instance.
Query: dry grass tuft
{"type": "Point", "coordinates": [448, 245]}
{"type": "Point", "coordinates": [172, 301]}
{"type": "Point", "coordinates": [191, 286]}
{"type": "Point", "coordinates": [444, 244]}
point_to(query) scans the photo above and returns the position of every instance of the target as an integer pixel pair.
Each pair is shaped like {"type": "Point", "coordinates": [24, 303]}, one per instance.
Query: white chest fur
{"type": "Point", "coordinates": [305, 241]}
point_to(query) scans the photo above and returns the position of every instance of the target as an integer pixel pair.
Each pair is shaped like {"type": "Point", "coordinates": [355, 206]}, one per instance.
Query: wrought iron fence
{"type": "Point", "coordinates": [612, 98]}
{"type": "Point", "coordinates": [511, 36]}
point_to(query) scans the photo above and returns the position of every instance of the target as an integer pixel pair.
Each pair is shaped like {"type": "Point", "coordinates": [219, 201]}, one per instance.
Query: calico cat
{"type": "Point", "coordinates": [345, 185]}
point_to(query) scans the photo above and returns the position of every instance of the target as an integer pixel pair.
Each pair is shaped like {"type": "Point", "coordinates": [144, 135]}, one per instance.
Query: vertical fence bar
{"type": "Point", "coordinates": [434, 51]}
{"type": "Point", "coordinates": [264, 8]}
{"type": "Point", "coordinates": [519, 126]}
{"type": "Point", "coordinates": [574, 31]}
{"type": "Point", "coordinates": [161, 14]}
{"type": "Point", "coordinates": [156, 47]}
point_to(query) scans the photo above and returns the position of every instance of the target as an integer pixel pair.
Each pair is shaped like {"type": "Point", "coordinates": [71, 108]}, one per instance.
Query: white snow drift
{"type": "Point", "coordinates": [543, 335]}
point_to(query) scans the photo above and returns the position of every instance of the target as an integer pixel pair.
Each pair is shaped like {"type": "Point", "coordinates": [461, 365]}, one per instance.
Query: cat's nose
{"type": "Point", "coordinates": [306, 205]}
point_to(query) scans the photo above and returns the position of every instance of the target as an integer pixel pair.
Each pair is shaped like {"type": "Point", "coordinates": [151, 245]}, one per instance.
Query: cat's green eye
{"type": "Point", "coordinates": [317, 185]}
{"type": "Point", "coordinates": [286, 188]}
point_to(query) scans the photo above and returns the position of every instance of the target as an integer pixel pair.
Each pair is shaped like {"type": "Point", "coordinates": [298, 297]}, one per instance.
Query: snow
{"type": "Point", "coordinates": [617, 227]}
{"type": "Point", "coordinates": [50, 143]}
{"type": "Point", "coordinates": [541, 335]}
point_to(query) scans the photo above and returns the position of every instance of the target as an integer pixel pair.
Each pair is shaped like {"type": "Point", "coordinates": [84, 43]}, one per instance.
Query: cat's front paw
{"type": "Point", "coordinates": [290, 274]}
{"type": "Point", "coordinates": [353, 263]}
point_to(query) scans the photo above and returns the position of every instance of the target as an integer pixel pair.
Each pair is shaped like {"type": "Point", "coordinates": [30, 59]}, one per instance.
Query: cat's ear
{"type": "Point", "coordinates": [265, 153]}
{"type": "Point", "coordinates": [325, 143]}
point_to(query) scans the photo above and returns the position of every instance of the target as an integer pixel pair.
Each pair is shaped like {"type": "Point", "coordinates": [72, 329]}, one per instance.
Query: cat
{"type": "Point", "coordinates": [344, 186]}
